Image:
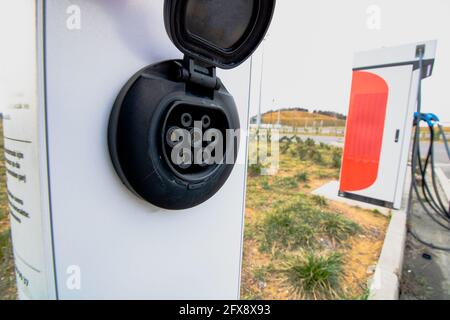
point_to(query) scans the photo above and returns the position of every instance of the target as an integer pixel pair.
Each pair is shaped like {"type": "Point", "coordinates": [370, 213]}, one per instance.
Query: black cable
{"type": "Point", "coordinates": [428, 244]}
{"type": "Point", "coordinates": [439, 208]}
{"type": "Point", "coordinates": [435, 185]}
{"type": "Point", "coordinates": [444, 138]}
{"type": "Point", "coordinates": [415, 161]}
{"type": "Point", "coordinates": [423, 168]}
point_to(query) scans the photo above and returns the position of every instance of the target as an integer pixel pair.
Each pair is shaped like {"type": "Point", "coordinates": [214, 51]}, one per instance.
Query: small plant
{"type": "Point", "coordinates": [314, 276]}
{"type": "Point", "coordinates": [324, 146]}
{"type": "Point", "coordinates": [310, 142]}
{"type": "Point", "coordinates": [298, 140]}
{"type": "Point", "coordinates": [338, 227]}
{"type": "Point", "coordinates": [285, 230]}
{"type": "Point", "coordinates": [319, 200]}
{"type": "Point", "coordinates": [316, 156]}
{"type": "Point", "coordinates": [255, 170]}
{"type": "Point", "coordinates": [266, 185]}
{"type": "Point", "coordinates": [290, 226]}
{"type": "Point", "coordinates": [324, 175]}
{"type": "Point", "coordinates": [285, 145]}
{"type": "Point", "coordinates": [302, 152]}
{"type": "Point", "coordinates": [260, 274]}
{"type": "Point", "coordinates": [336, 159]}
{"type": "Point", "coordinates": [288, 183]}
{"type": "Point", "coordinates": [302, 177]}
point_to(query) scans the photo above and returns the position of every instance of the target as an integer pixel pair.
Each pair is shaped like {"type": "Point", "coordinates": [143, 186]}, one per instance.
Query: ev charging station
{"type": "Point", "coordinates": [99, 209]}
{"type": "Point", "coordinates": [380, 121]}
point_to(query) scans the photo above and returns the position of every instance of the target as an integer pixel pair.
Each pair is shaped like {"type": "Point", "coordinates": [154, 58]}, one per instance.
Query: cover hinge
{"type": "Point", "coordinates": [199, 75]}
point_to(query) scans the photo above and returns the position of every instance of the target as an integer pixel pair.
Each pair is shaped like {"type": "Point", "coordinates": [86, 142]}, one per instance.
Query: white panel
{"type": "Point", "coordinates": [407, 140]}
{"type": "Point", "coordinates": [398, 80]}
{"type": "Point", "coordinates": [398, 67]}
{"type": "Point", "coordinates": [394, 55]}
{"type": "Point", "coordinates": [25, 157]}
{"type": "Point", "coordinates": [124, 247]}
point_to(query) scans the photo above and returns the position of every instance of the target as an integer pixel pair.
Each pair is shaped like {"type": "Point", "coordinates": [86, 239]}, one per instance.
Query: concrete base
{"type": "Point", "coordinates": [330, 191]}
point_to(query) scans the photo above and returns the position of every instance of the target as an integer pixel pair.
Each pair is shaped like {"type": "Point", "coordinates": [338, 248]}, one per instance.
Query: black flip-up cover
{"type": "Point", "coordinates": [221, 33]}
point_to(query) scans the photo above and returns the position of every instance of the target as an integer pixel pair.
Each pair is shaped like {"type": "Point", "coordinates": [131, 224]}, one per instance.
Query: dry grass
{"type": "Point", "coordinates": [299, 246]}
{"type": "Point", "coordinates": [7, 275]}
{"type": "Point", "coordinates": [297, 118]}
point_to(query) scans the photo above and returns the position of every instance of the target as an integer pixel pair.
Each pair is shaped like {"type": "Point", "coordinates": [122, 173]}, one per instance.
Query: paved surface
{"type": "Point", "coordinates": [440, 156]}
{"type": "Point", "coordinates": [440, 153]}
{"type": "Point", "coordinates": [331, 190]}
{"type": "Point", "coordinates": [426, 272]}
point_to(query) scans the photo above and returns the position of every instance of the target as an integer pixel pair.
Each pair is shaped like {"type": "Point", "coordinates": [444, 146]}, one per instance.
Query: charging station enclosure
{"type": "Point", "coordinates": [78, 232]}
{"type": "Point", "coordinates": [380, 120]}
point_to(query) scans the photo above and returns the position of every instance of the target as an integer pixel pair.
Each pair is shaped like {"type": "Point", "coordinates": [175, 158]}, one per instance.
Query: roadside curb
{"type": "Point", "coordinates": [444, 181]}
{"type": "Point", "coordinates": [385, 284]}
{"type": "Point", "coordinates": [386, 281]}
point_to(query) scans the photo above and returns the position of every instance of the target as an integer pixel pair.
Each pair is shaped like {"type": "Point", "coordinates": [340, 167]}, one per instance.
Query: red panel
{"type": "Point", "coordinates": [364, 135]}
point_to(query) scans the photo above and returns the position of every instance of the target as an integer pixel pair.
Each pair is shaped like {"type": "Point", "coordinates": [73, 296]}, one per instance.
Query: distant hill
{"type": "Point", "coordinates": [303, 118]}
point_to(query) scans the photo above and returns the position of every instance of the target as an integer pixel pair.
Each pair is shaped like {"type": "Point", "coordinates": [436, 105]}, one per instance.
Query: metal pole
{"type": "Point", "coordinates": [261, 86]}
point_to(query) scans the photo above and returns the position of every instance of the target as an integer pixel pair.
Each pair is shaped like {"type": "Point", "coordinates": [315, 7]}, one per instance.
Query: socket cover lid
{"type": "Point", "coordinates": [221, 33]}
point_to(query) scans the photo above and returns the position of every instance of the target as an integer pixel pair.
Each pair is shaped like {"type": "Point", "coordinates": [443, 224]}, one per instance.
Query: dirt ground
{"type": "Point", "coordinates": [361, 257]}
{"type": "Point", "coordinates": [261, 278]}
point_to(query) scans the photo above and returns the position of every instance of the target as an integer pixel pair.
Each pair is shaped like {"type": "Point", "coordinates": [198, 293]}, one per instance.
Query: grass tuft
{"type": "Point", "coordinates": [319, 201]}
{"type": "Point", "coordinates": [302, 223]}
{"type": "Point", "coordinates": [287, 183]}
{"type": "Point", "coordinates": [314, 276]}
{"type": "Point", "coordinates": [339, 228]}
{"type": "Point", "coordinates": [302, 177]}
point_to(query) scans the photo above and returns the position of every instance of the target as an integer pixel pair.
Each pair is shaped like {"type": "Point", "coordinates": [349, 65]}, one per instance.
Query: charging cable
{"type": "Point", "coordinates": [441, 214]}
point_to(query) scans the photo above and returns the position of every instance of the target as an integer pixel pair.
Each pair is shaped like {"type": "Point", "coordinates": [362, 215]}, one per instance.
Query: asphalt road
{"type": "Point", "coordinates": [440, 153]}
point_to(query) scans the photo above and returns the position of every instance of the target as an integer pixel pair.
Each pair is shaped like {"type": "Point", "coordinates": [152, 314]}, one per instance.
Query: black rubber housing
{"type": "Point", "coordinates": [226, 33]}
{"type": "Point", "coordinates": [137, 136]}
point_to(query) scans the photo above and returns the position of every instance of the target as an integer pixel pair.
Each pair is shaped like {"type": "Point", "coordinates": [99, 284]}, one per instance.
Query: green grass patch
{"type": "Point", "coordinates": [286, 183]}
{"type": "Point", "coordinates": [319, 200]}
{"type": "Point", "coordinates": [314, 275]}
{"type": "Point", "coordinates": [300, 224]}
{"type": "Point", "coordinates": [265, 184]}
{"type": "Point", "coordinates": [302, 177]}
{"type": "Point", "coordinates": [260, 274]}
{"type": "Point", "coordinates": [339, 228]}
{"type": "Point", "coordinates": [255, 170]}
{"type": "Point", "coordinates": [336, 158]}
